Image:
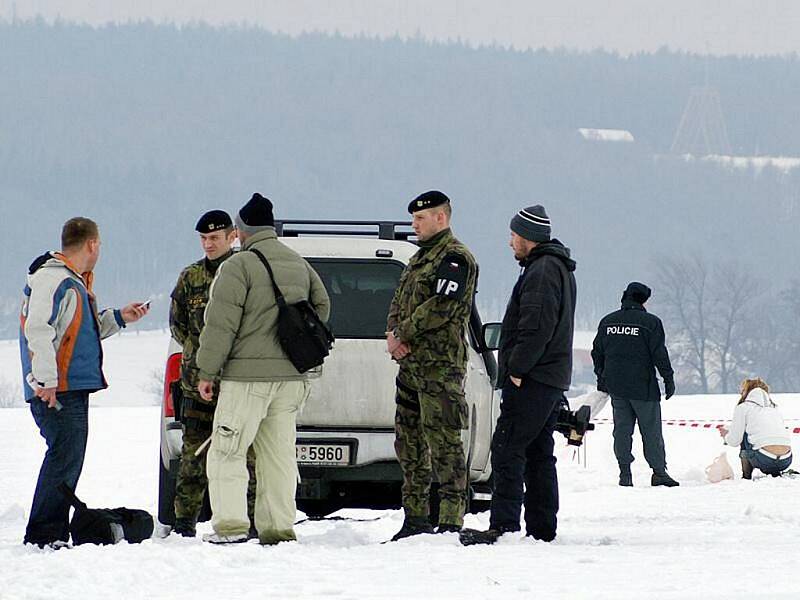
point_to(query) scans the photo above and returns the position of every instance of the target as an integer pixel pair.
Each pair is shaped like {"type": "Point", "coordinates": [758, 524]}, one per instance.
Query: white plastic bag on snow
{"type": "Point", "coordinates": [720, 469]}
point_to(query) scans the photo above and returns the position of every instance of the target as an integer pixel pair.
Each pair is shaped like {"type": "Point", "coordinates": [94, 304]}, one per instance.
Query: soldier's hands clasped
{"type": "Point", "coordinates": [398, 349]}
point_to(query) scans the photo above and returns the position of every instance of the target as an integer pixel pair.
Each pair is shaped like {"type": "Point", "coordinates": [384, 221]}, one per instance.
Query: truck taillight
{"type": "Point", "coordinates": [171, 375]}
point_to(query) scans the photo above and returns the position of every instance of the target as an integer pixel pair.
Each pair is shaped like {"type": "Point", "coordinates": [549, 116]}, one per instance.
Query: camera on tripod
{"type": "Point", "coordinates": [574, 424]}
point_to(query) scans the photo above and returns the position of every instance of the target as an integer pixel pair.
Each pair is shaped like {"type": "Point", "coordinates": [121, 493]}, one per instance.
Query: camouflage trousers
{"type": "Point", "coordinates": [431, 412]}
{"type": "Point", "coordinates": [191, 485]}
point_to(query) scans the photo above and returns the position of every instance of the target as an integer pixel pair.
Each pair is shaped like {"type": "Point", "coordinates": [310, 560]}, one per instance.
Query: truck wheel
{"type": "Point", "coordinates": [166, 494]}
{"type": "Point", "coordinates": [474, 505]}
{"type": "Point", "coordinates": [317, 509]}
{"type": "Point", "coordinates": [479, 506]}
{"type": "Point", "coordinates": [205, 509]}
{"type": "Point", "coordinates": [433, 504]}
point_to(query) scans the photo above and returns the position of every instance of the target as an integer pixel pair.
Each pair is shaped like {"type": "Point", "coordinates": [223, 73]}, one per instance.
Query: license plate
{"type": "Point", "coordinates": [322, 454]}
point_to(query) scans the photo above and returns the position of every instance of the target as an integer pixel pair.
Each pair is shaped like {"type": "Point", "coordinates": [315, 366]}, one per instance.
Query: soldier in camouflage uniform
{"type": "Point", "coordinates": [426, 335]}
{"type": "Point", "coordinates": [189, 299]}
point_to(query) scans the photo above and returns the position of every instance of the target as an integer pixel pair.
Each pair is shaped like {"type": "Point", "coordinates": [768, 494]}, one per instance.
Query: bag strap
{"type": "Point", "coordinates": [278, 294]}
{"type": "Point", "coordinates": [70, 495]}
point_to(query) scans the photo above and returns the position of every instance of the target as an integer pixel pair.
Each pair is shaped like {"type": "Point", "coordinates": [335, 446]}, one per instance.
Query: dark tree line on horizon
{"type": "Point", "coordinates": [143, 127]}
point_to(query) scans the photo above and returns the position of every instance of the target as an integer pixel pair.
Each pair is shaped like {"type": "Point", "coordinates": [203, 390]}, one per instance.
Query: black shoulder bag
{"type": "Point", "coordinates": [301, 333]}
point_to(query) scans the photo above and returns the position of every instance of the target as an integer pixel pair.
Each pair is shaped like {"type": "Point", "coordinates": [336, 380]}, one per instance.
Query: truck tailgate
{"type": "Point", "coordinates": [356, 388]}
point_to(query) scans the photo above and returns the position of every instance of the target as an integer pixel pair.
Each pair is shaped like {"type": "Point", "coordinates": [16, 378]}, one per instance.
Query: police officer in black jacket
{"type": "Point", "coordinates": [628, 348]}
{"type": "Point", "coordinates": [535, 368]}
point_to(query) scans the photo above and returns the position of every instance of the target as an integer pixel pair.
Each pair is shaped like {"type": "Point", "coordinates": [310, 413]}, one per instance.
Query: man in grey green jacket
{"type": "Point", "coordinates": [260, 391]}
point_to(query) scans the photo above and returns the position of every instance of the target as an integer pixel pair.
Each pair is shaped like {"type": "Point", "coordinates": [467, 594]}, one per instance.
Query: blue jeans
{"type": "Point", "coordinates": [767, 465]}
{"type": "Point", "coordinates": [65, 432]}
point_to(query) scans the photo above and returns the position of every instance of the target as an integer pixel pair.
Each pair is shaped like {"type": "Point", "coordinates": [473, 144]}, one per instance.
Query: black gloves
{"type": "Point", "coordinates": [669, 388]}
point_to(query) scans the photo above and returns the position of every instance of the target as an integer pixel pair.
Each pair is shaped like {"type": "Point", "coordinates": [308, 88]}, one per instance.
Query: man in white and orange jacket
{"type": "Point", "coordinates": [62, 363]}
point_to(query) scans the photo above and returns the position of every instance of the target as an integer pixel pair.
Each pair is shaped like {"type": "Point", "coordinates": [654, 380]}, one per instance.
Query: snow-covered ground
{"type": "Point", "coordinates": [736, 539]}
{"type": "Point", "coordinates": [784, 164]}
{"type": "Point", "coordinates": [606, 135]}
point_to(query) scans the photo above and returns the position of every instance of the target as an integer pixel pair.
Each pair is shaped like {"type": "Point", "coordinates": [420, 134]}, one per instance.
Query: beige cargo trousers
{"type": "Point", "coordinates": [262, 414]}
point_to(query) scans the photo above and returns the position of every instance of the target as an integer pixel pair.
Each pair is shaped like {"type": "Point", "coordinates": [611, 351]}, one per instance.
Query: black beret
{"type": "Point", "coordinates": [428, 200]}
{"type": "Point", "coordinates": [213, 220]}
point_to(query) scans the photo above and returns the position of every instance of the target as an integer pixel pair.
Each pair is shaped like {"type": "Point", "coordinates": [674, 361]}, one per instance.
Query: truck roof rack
{"type": "Point", "coordinates": [385, 230]}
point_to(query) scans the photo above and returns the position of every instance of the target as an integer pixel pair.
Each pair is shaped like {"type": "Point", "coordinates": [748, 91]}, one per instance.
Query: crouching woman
{"type": "Point", "coordinates": [758, 429]}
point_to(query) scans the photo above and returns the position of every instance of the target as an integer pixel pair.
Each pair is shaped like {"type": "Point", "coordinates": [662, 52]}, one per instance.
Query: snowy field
{"type": "Point", "coordinates": [133, 363]}
{"type": "Point", "coordinates": [736, 539]}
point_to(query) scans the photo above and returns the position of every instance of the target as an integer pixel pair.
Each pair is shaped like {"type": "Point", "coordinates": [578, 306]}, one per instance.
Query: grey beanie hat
{"type": "Point", "coordinates": [532, 223]}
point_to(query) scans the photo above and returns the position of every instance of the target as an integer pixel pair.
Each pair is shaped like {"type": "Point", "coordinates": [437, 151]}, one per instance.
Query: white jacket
{"type": "Point", "coordinates": [760, 419]}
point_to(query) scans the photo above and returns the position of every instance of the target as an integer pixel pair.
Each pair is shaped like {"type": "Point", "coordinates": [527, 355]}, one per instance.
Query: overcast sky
{"type": "Point", "coordinates": [716, 26]}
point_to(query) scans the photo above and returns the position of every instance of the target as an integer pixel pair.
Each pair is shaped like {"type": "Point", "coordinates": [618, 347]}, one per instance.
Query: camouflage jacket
{"type": "Point", "coordinates": [189, 299]}
{"type": "Point", "coordinates": [431, 307]}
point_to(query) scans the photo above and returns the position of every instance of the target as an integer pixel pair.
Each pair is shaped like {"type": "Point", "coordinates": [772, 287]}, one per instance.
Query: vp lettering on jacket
{"type": "Point", "coordinates": [446, 288]}
{"type": "Point", "coordinates": [621, 330]}
{"type": "Point", "coordinates": [452, 277]}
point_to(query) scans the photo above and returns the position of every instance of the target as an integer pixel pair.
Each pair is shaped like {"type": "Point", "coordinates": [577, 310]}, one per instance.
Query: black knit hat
{"type": "Point", "coordinates": [213, 220]}
{"type": "Point", "coordinates": [638, 292]}
{"type": "Point", "coordinates": [429, 199]}
{"type": "Point", "coordinates": [532, 223]}
{"type": "Point", "coordinates": [257, 212]}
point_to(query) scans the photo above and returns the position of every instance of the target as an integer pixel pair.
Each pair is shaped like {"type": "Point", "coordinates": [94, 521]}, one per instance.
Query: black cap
{"type": "Point", "coordinates": [213, 220]}
{"type": "Point", "coordinates": [257, 212]}
{"type": "Point", "coordinates": [428, 200]}
{"type": "Point", "coordinates": [638, 292]}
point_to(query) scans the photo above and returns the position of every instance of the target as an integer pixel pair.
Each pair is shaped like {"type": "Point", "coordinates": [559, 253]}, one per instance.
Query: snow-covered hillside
{"type": "Point", "coordinates": [737, 539]}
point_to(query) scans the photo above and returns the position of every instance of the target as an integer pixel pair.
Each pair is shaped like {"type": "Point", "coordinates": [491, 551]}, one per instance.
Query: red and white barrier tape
{"type": "Point", "coordinates": [697, 423]}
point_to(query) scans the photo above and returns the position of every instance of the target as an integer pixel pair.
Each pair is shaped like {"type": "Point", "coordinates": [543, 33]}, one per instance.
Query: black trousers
{"type": "Point", "coordinates": [648, 414]}
{"type": "Point", "coordinates": [522, 454]}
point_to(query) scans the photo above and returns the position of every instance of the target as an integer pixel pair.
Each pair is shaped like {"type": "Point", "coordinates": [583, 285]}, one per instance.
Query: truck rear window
{"type": "Point", "coordinates": [361, 292]}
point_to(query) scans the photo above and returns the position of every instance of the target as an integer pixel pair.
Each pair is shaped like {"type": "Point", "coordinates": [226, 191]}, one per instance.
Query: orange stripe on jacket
{"type": "Point", "coordinates": [64, 354]}
{"type": "Point", "coordinates": [88, 276]}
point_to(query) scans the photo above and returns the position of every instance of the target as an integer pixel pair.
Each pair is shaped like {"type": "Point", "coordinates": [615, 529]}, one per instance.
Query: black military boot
{"type": "Point", "coordinates": [471, 537]}
{"type": "Point", "coordinates": [541, 536]}
{"type": "Point", "coordinates": [747, 469]}
{"type": "Point", "coordinates": [184, 526]}
{"type": "Point", "coordinates": [625, 477]}
{"type": "Point", "coordinates": [663, 479]}
{"type": "Point", "coordinates": [413, 526]}
{"type": "Point", "coordinates": [448, 528]}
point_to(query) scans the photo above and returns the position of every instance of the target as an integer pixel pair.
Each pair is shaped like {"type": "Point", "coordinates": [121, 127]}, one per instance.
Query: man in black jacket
{"type": "Point", "coordinates": [627, 350]}
{"type": "Point", "coordinates": [535, 368]}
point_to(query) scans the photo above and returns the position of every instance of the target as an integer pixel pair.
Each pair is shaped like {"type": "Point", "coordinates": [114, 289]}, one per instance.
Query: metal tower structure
{"type": "Point", "coordinates": [702, 129]}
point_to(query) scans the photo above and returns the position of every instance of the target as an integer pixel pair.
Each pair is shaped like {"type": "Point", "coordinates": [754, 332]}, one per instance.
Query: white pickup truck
{"type": "Point", "coordinates": [345, 433]}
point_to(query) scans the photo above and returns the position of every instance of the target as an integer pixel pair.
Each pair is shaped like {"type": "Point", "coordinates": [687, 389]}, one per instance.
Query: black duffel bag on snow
{"type": "Point", "coordinates": [106, 525]}
{"type": "Point", "coordinates": [301, 333]}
